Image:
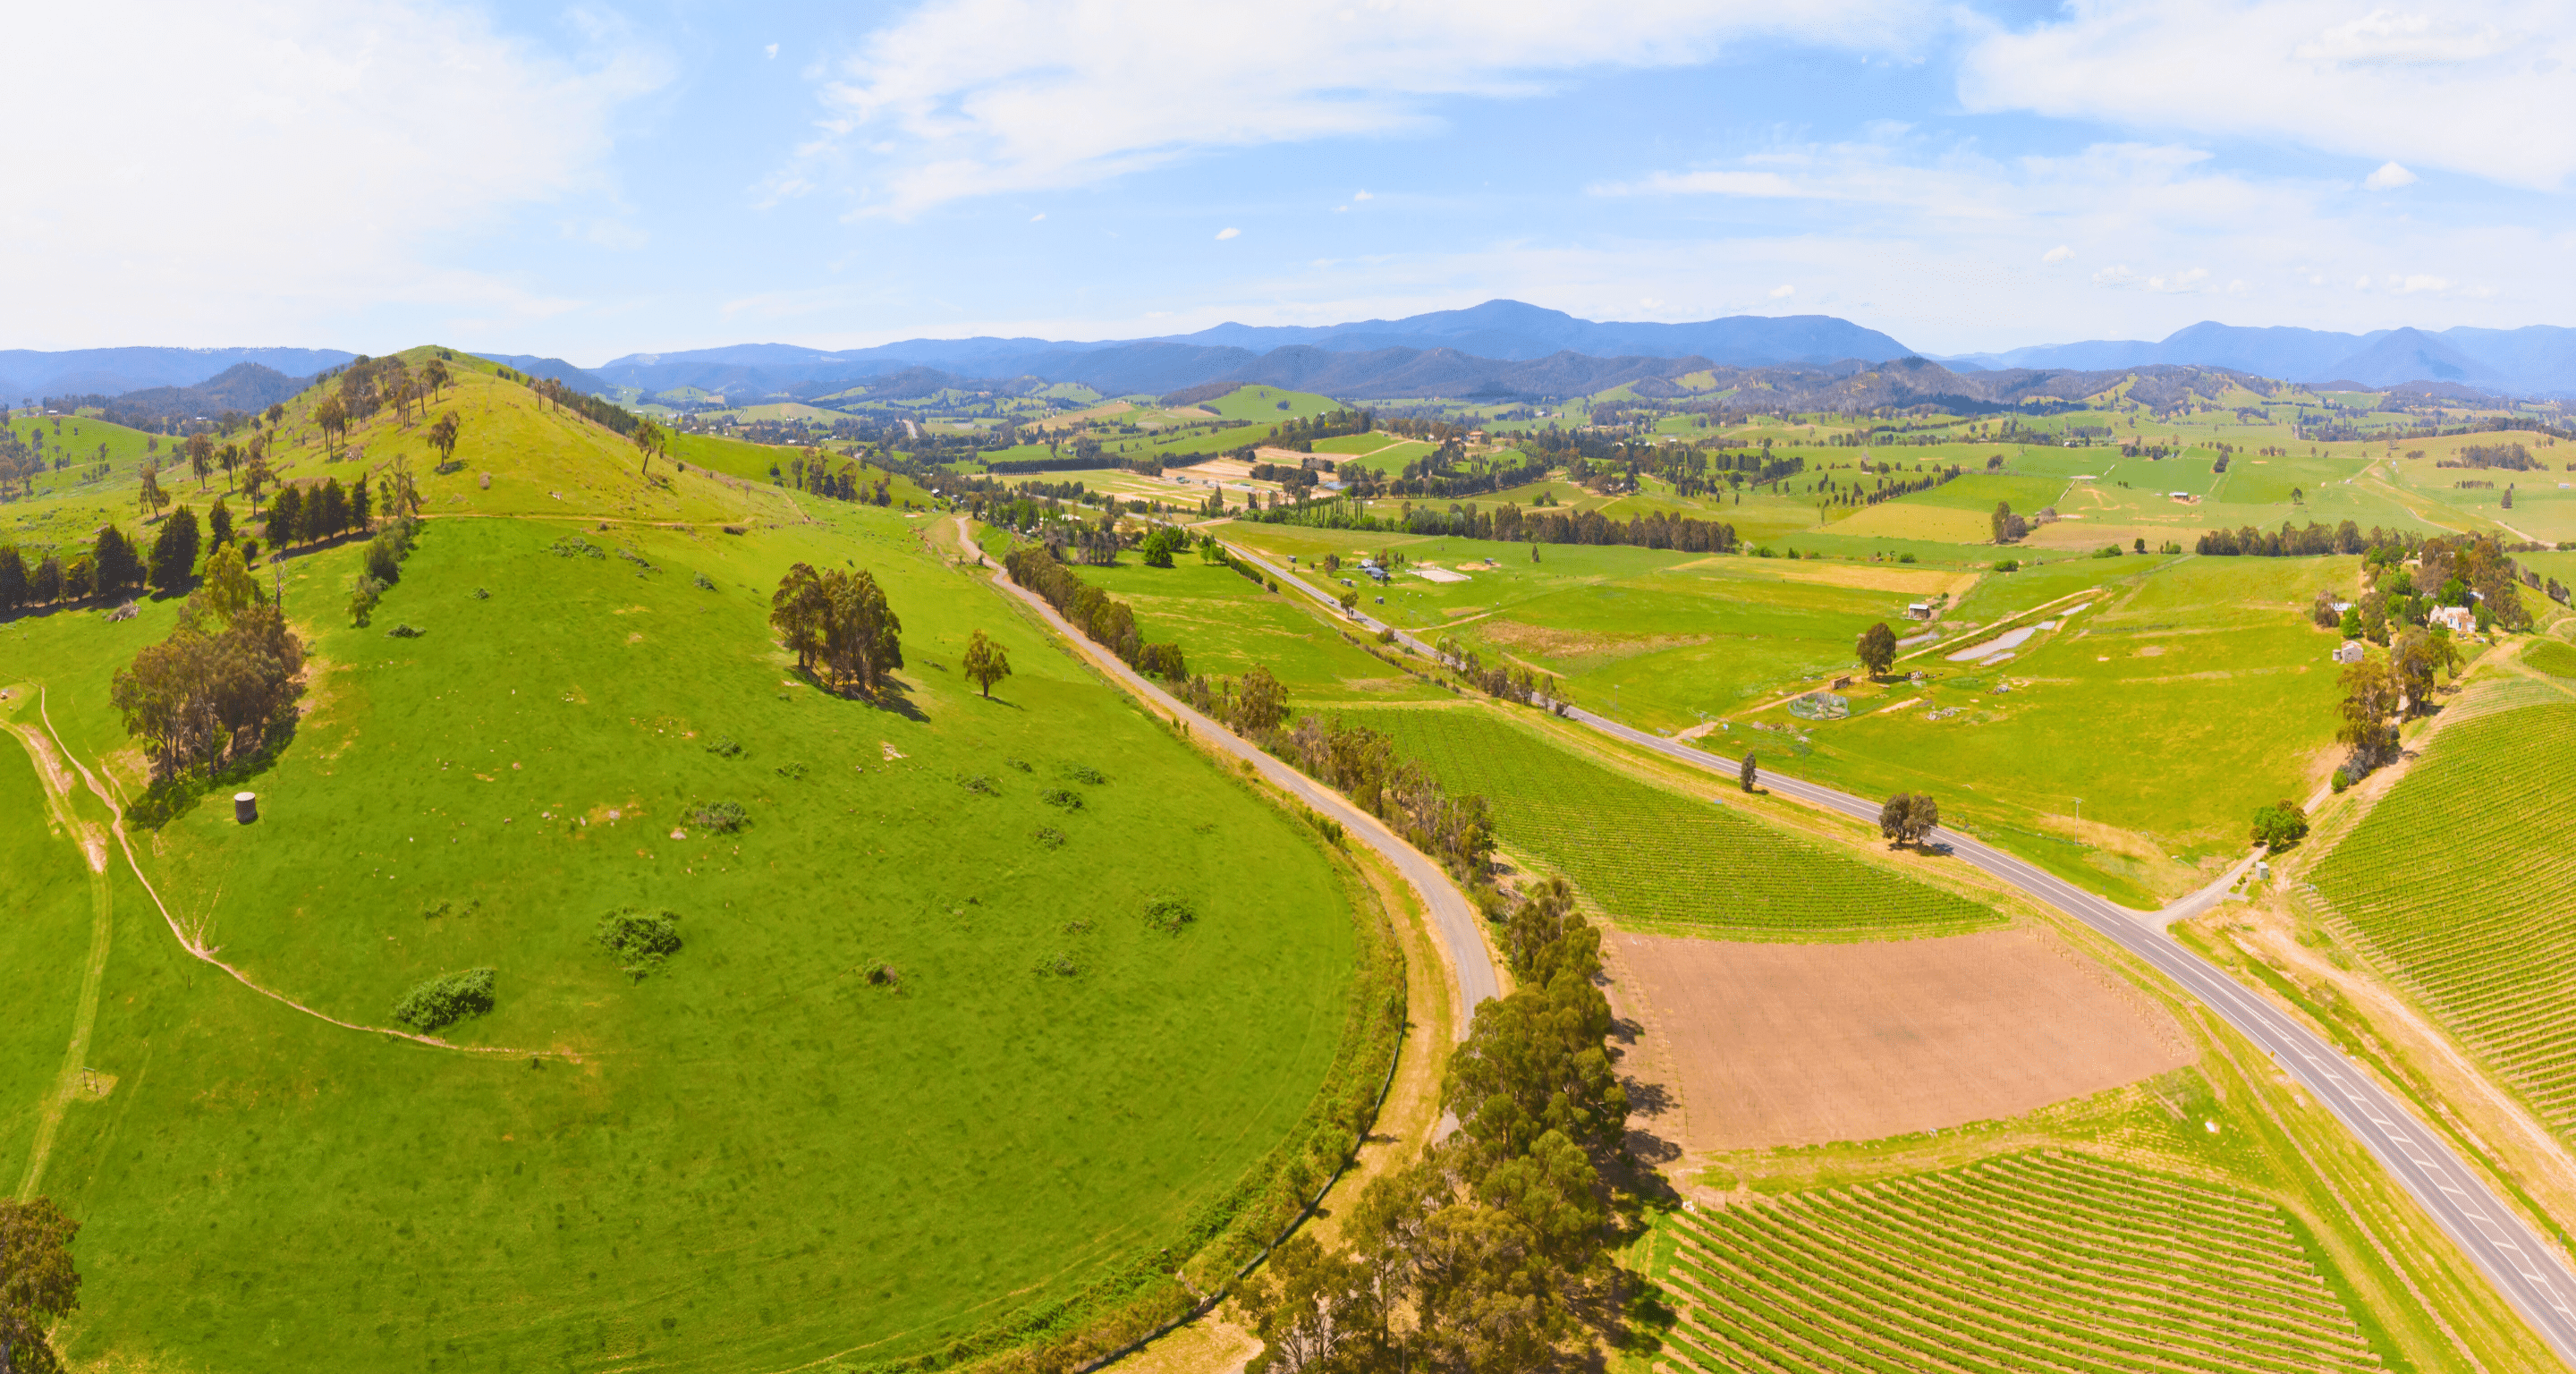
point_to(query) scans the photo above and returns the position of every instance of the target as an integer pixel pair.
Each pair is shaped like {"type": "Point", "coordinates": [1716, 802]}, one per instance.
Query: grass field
{"type": "Point", "coordinates": [1227, 624]}
{"type": "Point", "coordinates": [2048, 1260]}
{"type": "Point", "coordinates": [755, 1157]}
{"type": "Point", "coordinates": [1659, 860]}
{"type": "Point", "coordinates": [2471, 918]}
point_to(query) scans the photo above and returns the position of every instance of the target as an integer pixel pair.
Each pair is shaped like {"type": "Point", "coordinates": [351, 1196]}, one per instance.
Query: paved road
{"type": "Point", "coordinates": [1453, 917]}
{"type": "Point", "coordinates": [2534, 1277]}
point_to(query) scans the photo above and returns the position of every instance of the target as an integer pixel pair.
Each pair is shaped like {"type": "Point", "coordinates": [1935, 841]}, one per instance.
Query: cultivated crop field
{"type": "Point", "coordinates": [2046, 1260]}
{"type": "Point", "coordinates": [1659, 860]}
{"type": "Point", "coordinates": [2470, 911]}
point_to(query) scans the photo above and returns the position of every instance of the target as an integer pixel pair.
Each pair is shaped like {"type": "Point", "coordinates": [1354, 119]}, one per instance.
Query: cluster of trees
{"type": "Point", "coordinates": [2378, 693]}
{"type": "Point", "coordinates": [2451, 570]}
{"type": "Point", "coordinates": [2286, 542]}
{"type": "Point", "coordinates": [116, 566]}
{"type": "Point", "coordinates": [812, 470]}
{"type": "Point", "coordinates": [2280, 825]}
{"type": "Point", "coordinates": [596, 409]}
{"type": "Point", "coordinates": [1510, 523]}
{"type": "Point", "coordinates": [39, 1285]}
{"type": "Point", "coordinates": [838, 624]}
{"type": "Point", "coordinates": [1501, 680]}
{"type": "Point", "coordinates": [1490, 1251]}
{"type": "Point", "coordinates": [2007, 527]}
{"type": "Point", "coordinates": [223, 685]}
{"type": "Point", "coordinates": [301, 515]}
{"type": "Point", "coordinates": [1332, 424]}
{"type": "Point", "coordinates": [1110, 622]}
{"type": "Point", "coordinates": [1437, 475]}
{"type": "Point", "coordinates": [385, 555]}
{"type": "Point", "coordinates": [2512, 457]}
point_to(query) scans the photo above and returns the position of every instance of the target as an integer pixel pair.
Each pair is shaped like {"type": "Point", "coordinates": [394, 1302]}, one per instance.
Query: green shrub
{"type": "Point", "coordinates": [2280, 825]}
{"type": "Point", "coordinates": [1018, 764]}
{"type": "Point", "coordinates": [722, 817]}
{"type": "Point", "coordinates": [790, 770]}
{"type": "Point", "coordinates": [480, 594]}
{"type": "Point", "coordinates": [978, 784]}
{"type": "Point", "coordinates": [401, 631]}
{"type": "Point", "coordinates": [1059, 964]}
{"type": "Point", "coordinates": [2342, 779]}
{"type": "Point", "coordinates": [1084, 773]}
{"type": "Point", "coordinates": [2008, 565]}
{"type": "Point", "coordinates": [445, 999]}
{"type": "Point", "coordinates": [1048, 837]}
{"type": "Point", "coordinates": [640, 939]}
{"type": "Point", "coordinates": [704, 583]}
{"type": "Point", "coordinates": [1170, 915]}
{"type": "Point", "coordinates": [1057, 796]}
{"type": "Point", "coordinates": [723, 747]}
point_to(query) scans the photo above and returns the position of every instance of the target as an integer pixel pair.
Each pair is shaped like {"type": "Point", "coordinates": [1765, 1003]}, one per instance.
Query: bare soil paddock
{"type": "Point", "coordinates": [1754, 1046]}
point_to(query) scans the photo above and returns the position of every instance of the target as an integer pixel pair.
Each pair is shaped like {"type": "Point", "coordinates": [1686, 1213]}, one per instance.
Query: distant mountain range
{"type": "Point", "coordinates": [1499, 348]}
{"type": "Point", "coordinates": [27, 375]}
{"type": "Point", "coordinates": [2537, 360]}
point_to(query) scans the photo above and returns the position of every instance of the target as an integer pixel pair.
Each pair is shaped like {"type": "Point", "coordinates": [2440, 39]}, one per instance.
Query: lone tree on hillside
{"type": "Point", "coordinates": [1748, 772]}
{"type": "Point", "coordinates": [332, 414]}
{"type": "Point", "coordinates": [201, 457]}
{"type": "Point", "coordinates": [38, 1285]}
{"type": "Point", "coordinates": [1878, 649]}
{"type": "Point", "coordinates": [650, 438]}
{"type": "Point", "coordinates": [120, 568]}
{"type": "Point", "coordinates": [2007, 526]}
{"type": "Point", "coordinates": [1907, 817]}
{"type": "Point", "coordinates": [442, 436]}
{"type": "Point", "coordinates": [986, 663]}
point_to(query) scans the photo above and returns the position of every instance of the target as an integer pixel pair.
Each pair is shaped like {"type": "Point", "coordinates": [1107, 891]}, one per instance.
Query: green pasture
{"type": "Point", "coordinates": [1227, 624]}
{"type": "Point", "coordinates": [1656, 859]}
{"type": "Point", "coordinates": [752, 1158]}
{"type": "Point", "coordinates": [2170, 710]}
{"type": "Point", "coordinates": [1263, 404]}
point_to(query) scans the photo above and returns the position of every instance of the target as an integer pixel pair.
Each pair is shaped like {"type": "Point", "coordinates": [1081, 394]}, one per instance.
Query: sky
{"type": "Point", "coordinates": [600, 179]}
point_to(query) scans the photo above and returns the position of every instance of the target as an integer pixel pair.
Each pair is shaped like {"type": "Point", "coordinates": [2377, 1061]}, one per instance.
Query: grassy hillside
{"type": "Point", "coordinates": [815, 1131]}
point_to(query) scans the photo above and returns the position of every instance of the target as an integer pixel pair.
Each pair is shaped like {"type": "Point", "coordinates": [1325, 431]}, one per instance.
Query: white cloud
{"type": "Point", "coordinates": [2061, 253]}
{"type": "Point", "coordinates": [1783, 292]}
{"type": "Point", "coordinates": [983, 96]}
{"type": "Point", "coordinates": [2418, 281]}
{"type": "Point", "coordinates": [1038, 216]}
{"type": "Point", "coordinates": [1362, 195]}
{"type": "Point", "coordinates": [2467, 85]}
{"type": "Point", "coordinates": [771, 50]}
{"type": "Point", "coordinates": [1227, 233]}
{"type": "Point", "coordinates": [253, 171]}
{"type": "Point", "coordinates": [2389, 177]}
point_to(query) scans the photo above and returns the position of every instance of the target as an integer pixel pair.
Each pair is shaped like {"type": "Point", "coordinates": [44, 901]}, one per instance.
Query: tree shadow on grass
{"type": "Point", "coordinates": [171, 798]}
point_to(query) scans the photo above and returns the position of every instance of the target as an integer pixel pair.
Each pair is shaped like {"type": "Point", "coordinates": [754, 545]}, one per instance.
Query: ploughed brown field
{"type": "Point", "coordinates": [1764, 1045]}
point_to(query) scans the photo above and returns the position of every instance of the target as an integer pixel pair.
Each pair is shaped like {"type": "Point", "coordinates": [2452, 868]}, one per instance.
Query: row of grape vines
{"type": "Point", "coordinates": [2048, 1261]}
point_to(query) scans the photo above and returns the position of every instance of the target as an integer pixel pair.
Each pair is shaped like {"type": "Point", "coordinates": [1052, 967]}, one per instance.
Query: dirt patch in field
{"type": "Point", "coordinates": [1539, 641]}
{"type": "Point", "coordinates": [1755, 1046]}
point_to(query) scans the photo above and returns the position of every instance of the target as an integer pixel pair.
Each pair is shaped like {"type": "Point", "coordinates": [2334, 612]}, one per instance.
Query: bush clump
{"type": "Point", "coordinates": [724, 748]}
{"type": "Point", "coordinates": [1048, 837]}
{"type": "Point", "coordinates": [1170, 915]}
{"type": "Point", "coordinates": [574, 546]}
{"type": "Point", "coordinates": [1057, 796]}
{"type": "Point", "coordinates": [1059, 965]}
{"type": "Point", "coordinates": [790, 770]}
{"type": "Point", "coordinates": [722, 817]}
{"type": "Point", "coordinates": [640, 939]}
{"type": "Point", "coordinates": [705, 583]}
{"type": "Point", "coordinates": [446, 999]}
{"type": "Point", "coordinates": [978, 784]}
{"type": "Point", "coordinates": [1020, 764]}
{"type": "Point", "coordinates": [405, 632]}
{"type": "Point", "coordinates": [480, 594]}
{"type": "Point", "coordinates": [1084, 774]}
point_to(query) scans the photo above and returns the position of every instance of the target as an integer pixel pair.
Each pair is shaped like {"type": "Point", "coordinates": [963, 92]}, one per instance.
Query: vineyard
{"type": "Point", "coordinates": [2037, 1261]}
{"type": "Point", "coordinates": [2472, 916]}
{"type": "Point", "coordinates": [2551, 657]}
{"type": "Point", "coordinates": [1659, 860]}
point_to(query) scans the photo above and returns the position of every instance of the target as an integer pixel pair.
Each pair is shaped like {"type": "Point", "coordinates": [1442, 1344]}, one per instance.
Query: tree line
{"type": "Point", "coordinates": [1109, 622]}
{"type": "Point", "coordinates": [1511, 524]}
{"type": "Point", "coordinates": [1492, 1251]}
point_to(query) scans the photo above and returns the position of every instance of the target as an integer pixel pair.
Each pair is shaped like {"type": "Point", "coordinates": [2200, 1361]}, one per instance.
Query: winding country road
{"type": "Point", "coordinates": [1453, 917]}
{"type": "Point", "coordinates": [2532, 1275]}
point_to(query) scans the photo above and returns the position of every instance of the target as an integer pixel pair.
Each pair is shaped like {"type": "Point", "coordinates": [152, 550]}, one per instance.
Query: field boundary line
{"type": "Point", "coordinates": [101, 928]}
{"type": "Point", "coordinates": [205, 953]}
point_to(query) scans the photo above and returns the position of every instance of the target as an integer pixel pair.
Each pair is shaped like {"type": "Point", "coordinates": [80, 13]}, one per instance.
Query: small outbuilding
{"type": "Point", "coordinates": [1920, 610]}
{"type": "Point", "coordinates": [2459, 619]}
{"type": "Point", "coordinates": [2350, 651]}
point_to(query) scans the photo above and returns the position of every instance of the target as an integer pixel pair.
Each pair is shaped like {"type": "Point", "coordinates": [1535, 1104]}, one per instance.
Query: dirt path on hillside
{"type": "Point", "coordinates": [67, 1084]}
{"type": "Point", "coordinates": [194, 943]}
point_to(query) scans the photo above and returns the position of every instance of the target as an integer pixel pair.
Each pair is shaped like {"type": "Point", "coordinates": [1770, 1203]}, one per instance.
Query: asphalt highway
{"type": "Point", "coordinates": [2534, 1277]}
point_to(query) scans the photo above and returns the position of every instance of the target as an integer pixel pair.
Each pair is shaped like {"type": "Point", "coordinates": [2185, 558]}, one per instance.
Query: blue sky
{"type": "Point", "coordinates": [611, 178]}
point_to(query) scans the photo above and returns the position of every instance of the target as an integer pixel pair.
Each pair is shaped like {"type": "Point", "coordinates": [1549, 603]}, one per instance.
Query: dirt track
{"type": "Point", "coordinates": [1764, 1045]}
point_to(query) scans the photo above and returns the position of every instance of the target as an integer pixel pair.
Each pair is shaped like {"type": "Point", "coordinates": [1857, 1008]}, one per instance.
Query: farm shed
{"type": "Point", "coordinates": [2350, 651]}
